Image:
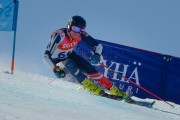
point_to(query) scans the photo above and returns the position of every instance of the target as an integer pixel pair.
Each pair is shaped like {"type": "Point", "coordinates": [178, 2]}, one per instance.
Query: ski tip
{"type": "Point", "coordinates": [153, 102]}
{"type": "Point", "coordinates": [151, 105]}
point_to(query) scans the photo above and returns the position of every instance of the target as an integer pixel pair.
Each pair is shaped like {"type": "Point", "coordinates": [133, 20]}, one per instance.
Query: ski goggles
{"type": "Point", "coordinates": [77, 29]}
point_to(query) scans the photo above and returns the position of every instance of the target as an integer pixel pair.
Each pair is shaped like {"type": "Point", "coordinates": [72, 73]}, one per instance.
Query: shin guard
{"type": "Point", "coordinates": [91, 87]}
{"type": "Point", "coordinates": [101, 79]}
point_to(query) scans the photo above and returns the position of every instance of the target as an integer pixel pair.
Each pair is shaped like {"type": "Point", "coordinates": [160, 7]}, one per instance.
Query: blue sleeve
{"type": "Point", "coordinates": [97, 47]}
{"type": "Point", "coordinates": [89, 40]}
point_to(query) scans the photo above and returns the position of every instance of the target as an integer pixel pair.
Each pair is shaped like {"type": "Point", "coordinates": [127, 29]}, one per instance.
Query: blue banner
{"type": "Point", "coordinates": [155, 72]}
{"type": "Point", "coordinates": [8, 15]}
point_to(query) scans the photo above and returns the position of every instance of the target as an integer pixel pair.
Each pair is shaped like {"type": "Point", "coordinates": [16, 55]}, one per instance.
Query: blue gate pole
{"type": "Point", "coordinates": [13, 53]}
{"type": "Point", "coordinates": [14, 40]}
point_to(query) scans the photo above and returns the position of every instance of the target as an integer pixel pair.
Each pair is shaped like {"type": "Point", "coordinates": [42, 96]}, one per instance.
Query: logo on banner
{"type": "Point", "coordinates": [133, 74]}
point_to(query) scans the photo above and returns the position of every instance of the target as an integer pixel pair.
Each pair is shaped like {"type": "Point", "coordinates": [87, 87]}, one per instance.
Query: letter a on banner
{"type": "Point", "coordinates": [8, 21]}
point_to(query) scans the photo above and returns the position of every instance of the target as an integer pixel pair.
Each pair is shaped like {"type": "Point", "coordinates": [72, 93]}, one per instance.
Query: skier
{"type": "Point", "coordinates": [60, 50]}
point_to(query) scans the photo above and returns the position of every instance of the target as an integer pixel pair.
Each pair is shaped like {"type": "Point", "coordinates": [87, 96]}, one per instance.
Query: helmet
{"type": "Point", "coordinates": [76, 21]}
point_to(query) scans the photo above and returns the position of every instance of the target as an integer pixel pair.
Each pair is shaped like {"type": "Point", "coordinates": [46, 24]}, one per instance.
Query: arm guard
{"type": "Point", "coordinates": [55, 38]}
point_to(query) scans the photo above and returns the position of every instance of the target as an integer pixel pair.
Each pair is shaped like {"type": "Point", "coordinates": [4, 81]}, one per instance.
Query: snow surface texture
{"type": "Point", "coordinates": [26, 96]}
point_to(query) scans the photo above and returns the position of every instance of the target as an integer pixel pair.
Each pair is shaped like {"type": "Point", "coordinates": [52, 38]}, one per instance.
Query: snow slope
{"type": "Point", "coordinates": [26, 96]}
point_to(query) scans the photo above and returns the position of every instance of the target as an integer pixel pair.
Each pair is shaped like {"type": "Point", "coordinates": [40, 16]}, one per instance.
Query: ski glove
{"type": "Point", "coordinates": [58, 72]}
{"type": "Point", "coordinates": [95, 58]}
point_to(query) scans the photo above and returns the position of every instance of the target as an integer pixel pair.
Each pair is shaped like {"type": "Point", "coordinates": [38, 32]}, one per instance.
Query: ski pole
{"type": "Point", "coordinates": [52, 80]}
{"type": "Point", "coordinates": [136, 85]}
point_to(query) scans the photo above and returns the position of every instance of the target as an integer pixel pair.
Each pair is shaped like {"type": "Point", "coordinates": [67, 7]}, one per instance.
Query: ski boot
{"type": "Point", "coordinates": [92, 87]}
{"type": "Point", "coordinates": [115, 91]}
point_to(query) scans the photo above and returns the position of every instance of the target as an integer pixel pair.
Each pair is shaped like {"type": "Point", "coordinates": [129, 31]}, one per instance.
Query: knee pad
{"type": "Point", "coordinates": [74, 70]}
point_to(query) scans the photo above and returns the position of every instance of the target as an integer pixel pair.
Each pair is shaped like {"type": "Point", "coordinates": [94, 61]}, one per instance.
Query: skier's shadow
{"type": "Point", "coordinates": [145, 104]}
{"type": "Point", "coordinates": [167, 111]}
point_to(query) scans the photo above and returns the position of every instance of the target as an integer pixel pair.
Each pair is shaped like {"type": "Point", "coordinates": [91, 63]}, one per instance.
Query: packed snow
{"type": "Point", "coordinates": [27, 96]}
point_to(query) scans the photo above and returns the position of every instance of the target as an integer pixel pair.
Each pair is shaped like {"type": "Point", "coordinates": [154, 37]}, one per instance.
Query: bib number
{"type": "Point", "coordinates": [63, 55]}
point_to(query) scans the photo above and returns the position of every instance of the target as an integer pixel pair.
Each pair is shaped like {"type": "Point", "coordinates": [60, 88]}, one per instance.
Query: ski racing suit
{"type": "Point", "coordinates": [60, 50]}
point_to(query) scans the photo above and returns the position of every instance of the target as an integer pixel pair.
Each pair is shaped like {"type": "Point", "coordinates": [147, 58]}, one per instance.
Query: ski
{"type": "Point", "coordinates": [127, 99]}
{"type": "Point", "coordinates": [145, 104]}
{"type": "Point", "coordinates": [130, 100]}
